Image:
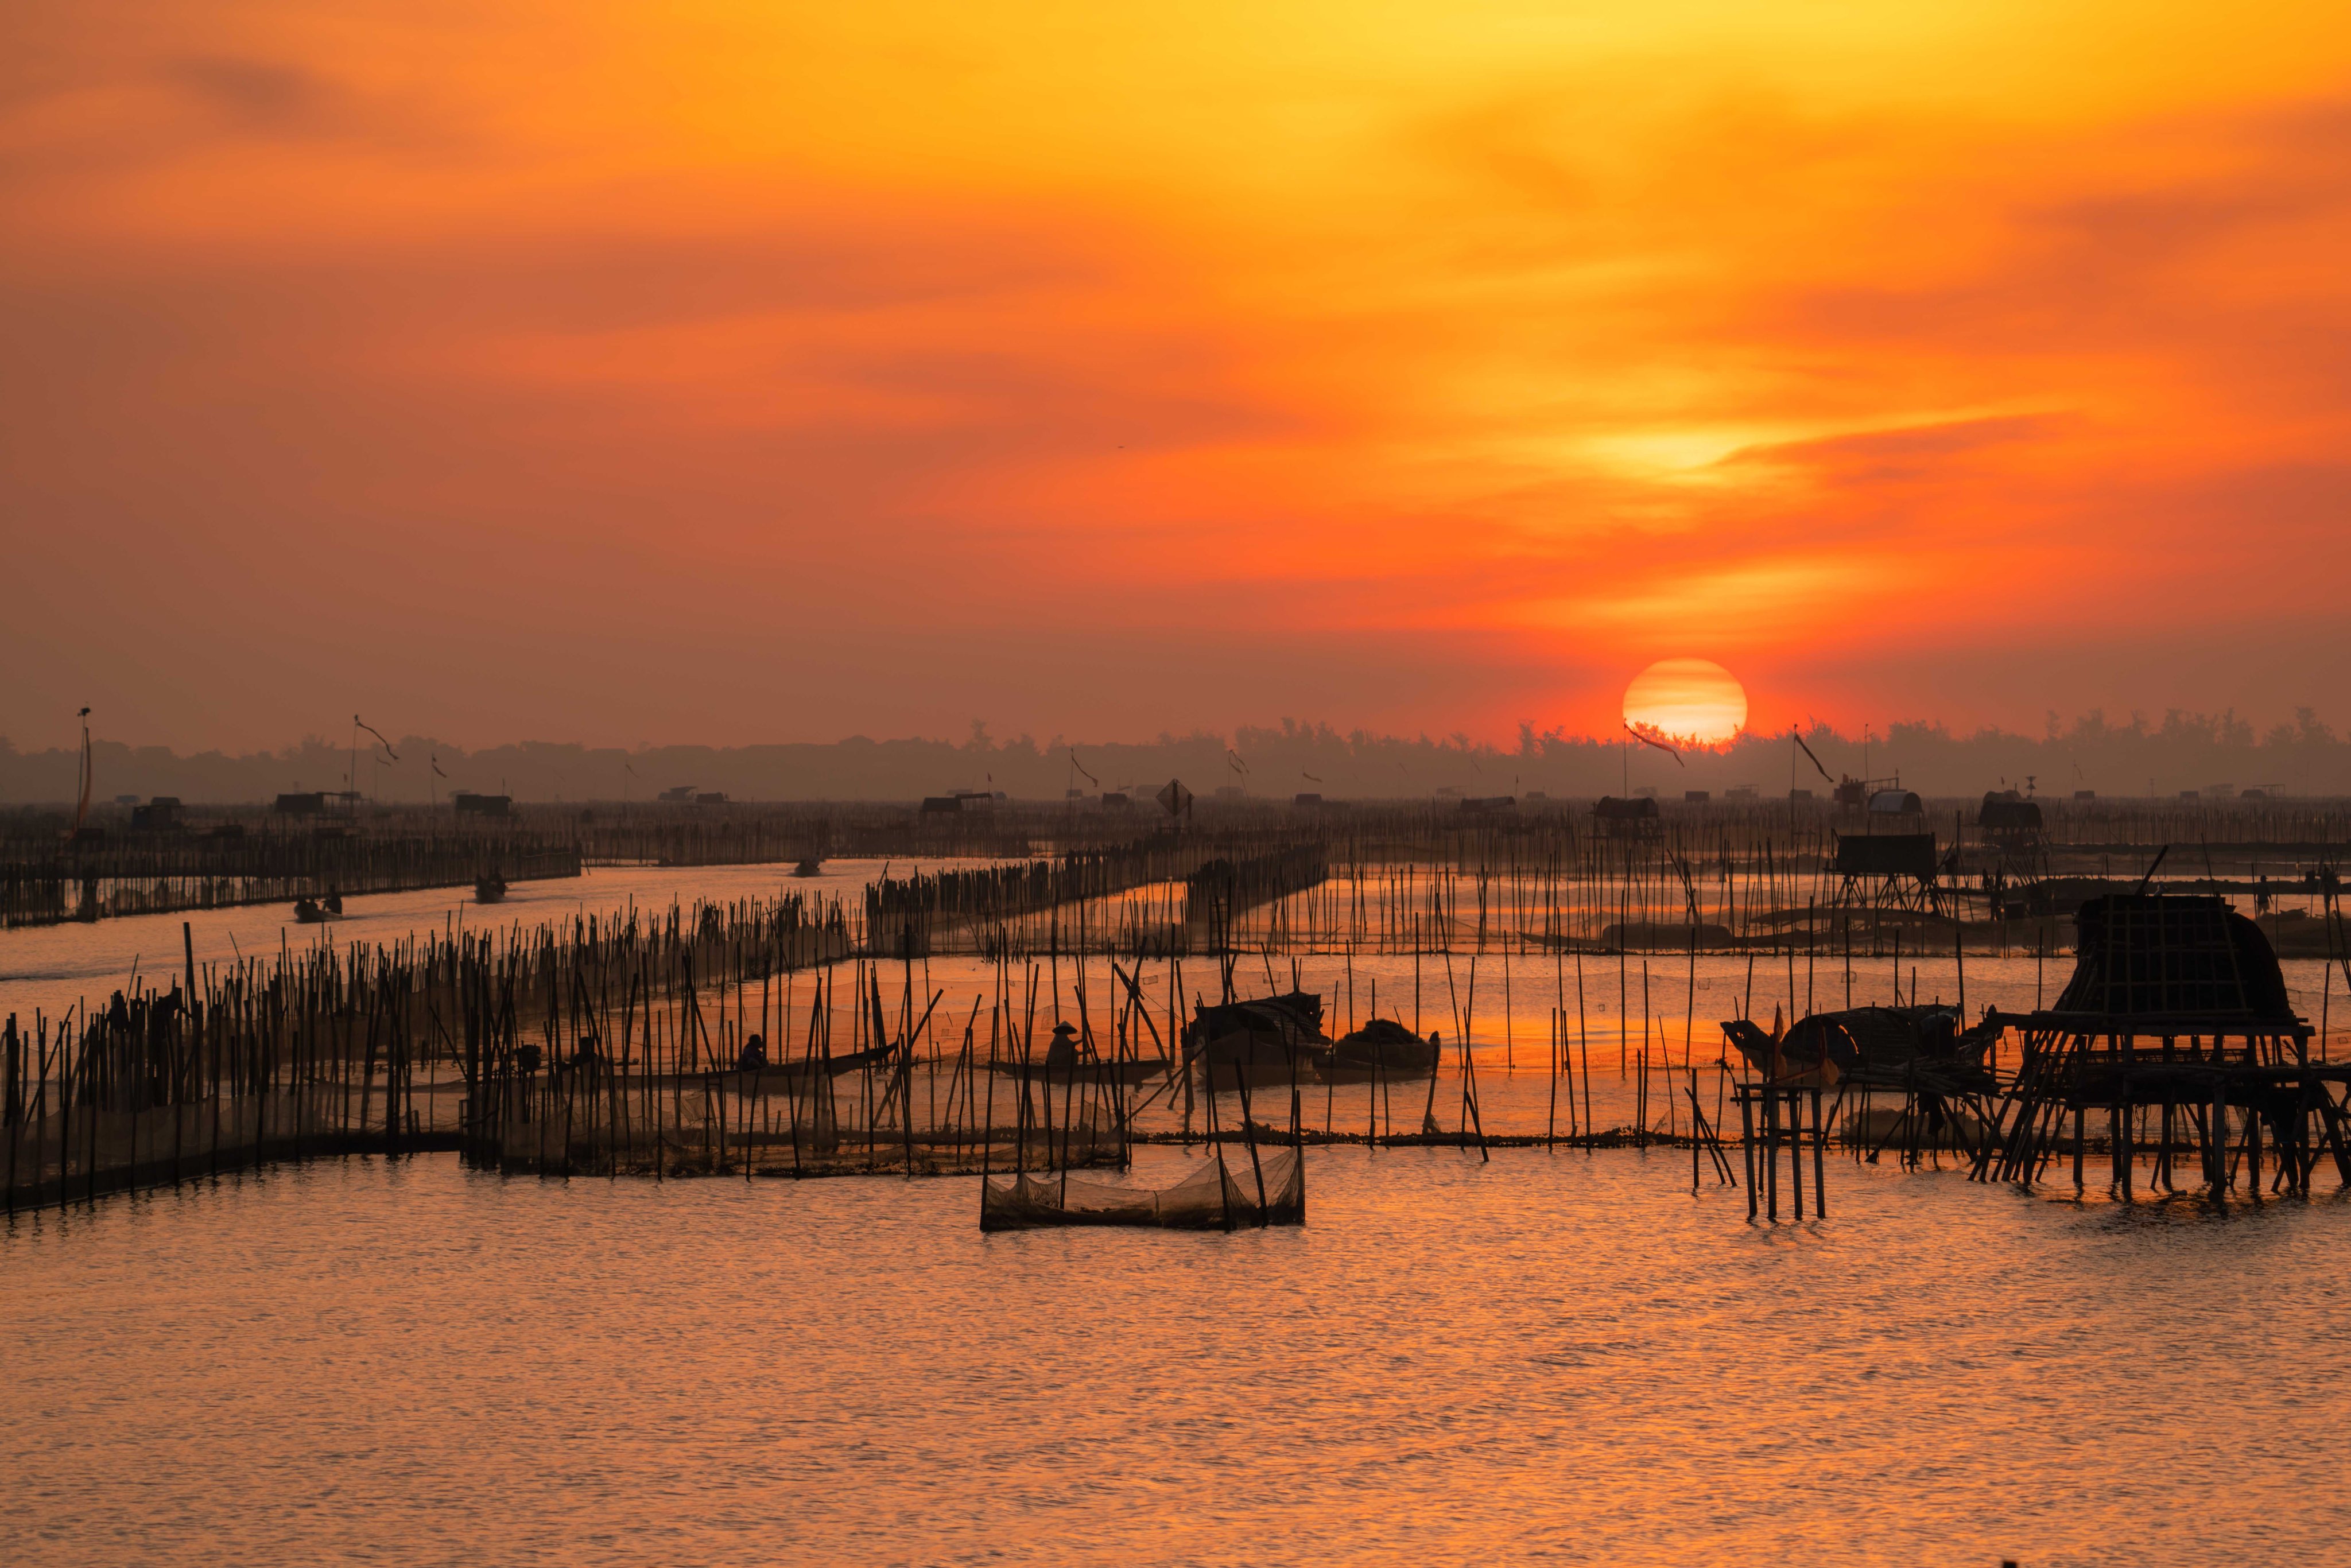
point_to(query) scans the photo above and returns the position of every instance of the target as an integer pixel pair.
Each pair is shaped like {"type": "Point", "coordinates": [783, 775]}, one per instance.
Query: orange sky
{"type": "Point", "coordinates": [734, 372]}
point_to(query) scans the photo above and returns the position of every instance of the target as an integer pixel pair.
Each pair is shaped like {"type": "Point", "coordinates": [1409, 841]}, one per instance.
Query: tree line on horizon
{"type": "Point", "coordinates": [2211, 753]}
{"type": "Point", "coordinates": [2183, 751]}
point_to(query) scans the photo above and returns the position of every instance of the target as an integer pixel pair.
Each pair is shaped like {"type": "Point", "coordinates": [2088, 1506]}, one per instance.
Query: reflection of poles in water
{"type": "Point", "coordinates": [1509, 1056]}
{"type": "Point", "coordinates": [1558, 1033]}
{"type": "Point", "coordinates": [1248, 1134]}
{"type": "Point", "coordinates": [1217, 1146]}
{"type": "Point", "coordinates": [1812, 946]}
{"type": "Point", "coordinates": [988, 1122]}
{"type": "Point", "coordinates": [1647, 1017]}
{"type": "Point", "coordinates": [1174, 995]}
{"type": "Point", "coordinates": [1021, 1118]}
{"type": "Point", "coordinates": [1472, 1119]}
{"type": "Point", "coordinates": [1624, 976]}
{"type": "Point", "coordinates": [1690, 1011]}
{"type": "Point", "coordinates": [1585, 1040]}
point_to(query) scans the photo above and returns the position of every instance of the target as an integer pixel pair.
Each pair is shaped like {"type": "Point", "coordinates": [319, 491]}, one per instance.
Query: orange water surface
{"type": "Point", "coordinates": [1555, 1357]}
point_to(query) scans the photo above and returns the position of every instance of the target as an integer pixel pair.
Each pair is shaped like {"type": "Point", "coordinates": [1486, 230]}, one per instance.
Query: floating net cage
{"type": "Point", "coordinates": [1216, 1196]}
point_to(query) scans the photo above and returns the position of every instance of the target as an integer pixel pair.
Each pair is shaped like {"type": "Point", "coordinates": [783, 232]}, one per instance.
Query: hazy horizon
{"type": "Point", "coordinates": [2132, 755]}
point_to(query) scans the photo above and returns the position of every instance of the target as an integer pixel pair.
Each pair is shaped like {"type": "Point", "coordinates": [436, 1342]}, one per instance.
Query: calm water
{"type": "Point", "coordinates": [1551, 1355]}
{"type": "Point", "coordinates": [1559, 1356]}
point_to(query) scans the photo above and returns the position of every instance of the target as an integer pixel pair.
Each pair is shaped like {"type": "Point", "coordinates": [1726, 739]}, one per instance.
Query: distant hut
{"type": "Point", "coordinates": [1622, 819]}
{"type": "Point", "coordinates": [1896, 870]}
{"type": "Point", "coordinates": [1897, 804]}
{"type": "Point", "coordinates": [2009, 820]}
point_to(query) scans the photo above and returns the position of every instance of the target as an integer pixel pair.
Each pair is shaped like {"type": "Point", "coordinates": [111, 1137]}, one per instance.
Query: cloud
{"type": "Point", "coordinates": [1183, 375]}
{"type": "Point", "coordinates": [256, 95]}
{"type": "Point", "coordinates": [1895, 450]}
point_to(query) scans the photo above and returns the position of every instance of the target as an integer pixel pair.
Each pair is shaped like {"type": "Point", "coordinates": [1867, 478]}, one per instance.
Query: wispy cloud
{"type": "Point", "coordinates": [1429, 367]}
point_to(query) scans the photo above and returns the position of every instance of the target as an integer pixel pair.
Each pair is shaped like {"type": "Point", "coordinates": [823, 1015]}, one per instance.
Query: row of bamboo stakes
{"type": "Point", "coordinates": [714, 1038]}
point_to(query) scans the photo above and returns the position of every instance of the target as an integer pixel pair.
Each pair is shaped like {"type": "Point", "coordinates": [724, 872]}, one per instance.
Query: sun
{"type": "Point", "coordinates": [1686, 699]}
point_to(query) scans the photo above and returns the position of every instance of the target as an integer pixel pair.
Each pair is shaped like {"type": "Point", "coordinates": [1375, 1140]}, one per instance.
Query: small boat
{"type": "Point", "coordinates": [1068, 1059]}
{"type": "Point", "coordinates": [753, 1068]}
{"type": "Point", "coordinates": [1131, 1072]}
{"type": "Point", "coordinates": [1877, 1047]}
{"type": "Point", "coordinates": [309, 912]}
{"type": "Point", "coordinates": [1272, 1040]}
{"type": "Point", "coordinates": [809, 867]}
{"type": "Point", "coordinates": [489, 889]}
{"type": "Point", "coordinates": [1381, 1049]}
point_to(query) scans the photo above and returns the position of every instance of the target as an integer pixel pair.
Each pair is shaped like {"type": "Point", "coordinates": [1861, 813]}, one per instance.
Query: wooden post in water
{"type": "Point", "coordinates": [1819, 1161]}
{"type": "Point", "coordinates": [1796, 1150]}
{"type": "Point", "coordinates": [1743, 1095]}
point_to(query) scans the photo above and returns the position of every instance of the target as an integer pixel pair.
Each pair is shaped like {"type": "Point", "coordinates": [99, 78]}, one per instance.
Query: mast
{"type": "Point", "coordinates": [89, 778]}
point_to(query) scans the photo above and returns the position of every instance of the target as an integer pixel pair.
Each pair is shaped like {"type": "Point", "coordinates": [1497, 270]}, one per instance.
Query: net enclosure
{"type": "Point", "coordinates": [1268, 1188]}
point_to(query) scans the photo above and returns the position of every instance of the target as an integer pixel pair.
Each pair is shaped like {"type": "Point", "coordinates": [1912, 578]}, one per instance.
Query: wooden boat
{"type": "Point", "coordinates": [809, 867]}
{"type": "Point", "coordinates": [1879, 1047]}
{"type": "Point", "coordinates": [753, 1070]}
{"type": "Point", "coordinates": [1272, 1039]}
{"type": "Point", "coordinates": [318, 912]}
{"type": "Point", "coordinates": [489, 888]}
{"type": "Point", "coordinates": [1380, 1049]}
{"type": "Point", "coordinates": [1096, 1071]}
{"type": "Point", "coordinates": [1070, 1059]}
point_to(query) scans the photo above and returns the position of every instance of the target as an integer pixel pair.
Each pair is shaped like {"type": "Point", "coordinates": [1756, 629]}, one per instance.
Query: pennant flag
{"type": "Point", "coordinates": [1808, 752]}
{"type": "Point", "coordinates": [372, 729]}
{"type": "Point", "coordinates": [1660, 745]}
{"type": "Point", "coordinates": [88, 777]}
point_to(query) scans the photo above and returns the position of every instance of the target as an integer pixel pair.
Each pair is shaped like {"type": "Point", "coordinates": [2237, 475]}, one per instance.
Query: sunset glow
{"type": "Point", "coordinates": [727, 373]}
{"type": "Point", "coordinates": [1686, 699]}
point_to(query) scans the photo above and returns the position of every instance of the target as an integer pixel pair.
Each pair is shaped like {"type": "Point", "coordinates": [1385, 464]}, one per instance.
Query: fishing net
{"type": "Point", "coordinates": [1218, 1196]}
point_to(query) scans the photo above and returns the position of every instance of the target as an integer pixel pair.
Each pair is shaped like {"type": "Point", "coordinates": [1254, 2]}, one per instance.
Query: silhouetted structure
{"type": "Point", "coordinates": [1888, 870]}
{"type": "Point", "coordinates": [2177, 1013]}
{"type": "Point", "coordinates": [2010, 821]}
{"type": "Point", "coordinates": [1634, 819]}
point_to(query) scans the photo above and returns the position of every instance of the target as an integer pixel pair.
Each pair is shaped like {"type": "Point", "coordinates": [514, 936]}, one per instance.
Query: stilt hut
{"type": "Point", "coordinates": [2174, 1037]}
